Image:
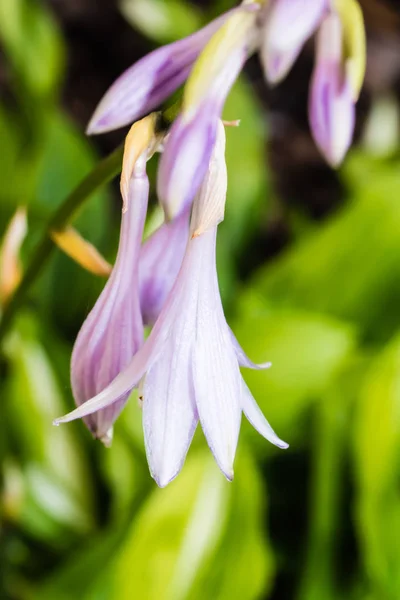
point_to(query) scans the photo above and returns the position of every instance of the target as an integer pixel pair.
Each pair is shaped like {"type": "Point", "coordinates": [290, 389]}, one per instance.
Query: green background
{"type": "Point", "coordinates": [320, 521]}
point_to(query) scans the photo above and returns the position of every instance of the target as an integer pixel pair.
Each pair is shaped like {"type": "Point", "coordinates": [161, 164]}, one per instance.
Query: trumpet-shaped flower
{"type": "Point", "coordinates": [113, 331]}
{"type": "Point", "coordinates": [190, 364]}
{"type": "Point", "coordinates": [331, 105]}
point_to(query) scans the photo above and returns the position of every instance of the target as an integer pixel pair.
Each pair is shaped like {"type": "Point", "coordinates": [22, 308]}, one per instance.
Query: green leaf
{"type": "Point", "coordinates": [198, 538]}
{"type": "Point", "coordinates": [306, 351]}
{"type": "Point", "coordinates": [56, 483]}
{"type": "Point", "coordinates": [33, 45]}
{"type": "Point", "coordinates": [376, 452]}
{"type": "Point", "coordinates": [85, 573]}
{"type": "Point", "coordinates": [350, 267]}
{"type": "Point", "coordinates": [162, 21]}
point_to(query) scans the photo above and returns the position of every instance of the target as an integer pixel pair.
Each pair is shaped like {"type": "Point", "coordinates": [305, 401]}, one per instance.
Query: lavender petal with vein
{"type": "Point", "coordinates": [150, 81]}
{"type": "Point", "coordinates": [288, 25]}
{"type": "Point", "coordinates": [113, 331]}
{"type": "Point", "coordinates": [192, 137]}
{"type": "Point", "coordinates": [331, 104]}
{"type": "Point", "coordinates": [190, 364]}
{"type": "Point", "coordinates": [161, 258]}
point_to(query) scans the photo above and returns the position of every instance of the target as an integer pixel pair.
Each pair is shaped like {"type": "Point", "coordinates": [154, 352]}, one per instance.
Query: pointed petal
{"type": "Point", "coordinates": [113, 331]}
{"type": "Point", "coordinates": [145, 85]}
{"type": "Point", "coordinates": [161, 258]}
{"type": "Point", "coordinates": [288, 26]}
{"type": "Point", "coordinates": [354, 35]}
{"type": "Point", "coordinates": [185, 160]}
{"type": "Point", "coordinates": [291, 22]}
{"type": "Point", "coordinates": [141, 140]}
{"type": "Point", "coordinates": [169, 410]}
{"type": "Point", "coordinates": [243, 359]}
{"type": "Point", "coordinates": [217, 378]}
{"type": "Point", "coordinates": [331, 105]}
{"type": "Point", "coordinates": [221, 60]}
{"type": "Point", "coordinates": [276, 64]}
{"type": "Point", "coordinates": [190, 144]}
{"type": "Point", "coordinates": [257, 419]}
{"type": "Point", "coordinates": [121, 385]}
{"type": "Point", "coordinates": [209, 208]}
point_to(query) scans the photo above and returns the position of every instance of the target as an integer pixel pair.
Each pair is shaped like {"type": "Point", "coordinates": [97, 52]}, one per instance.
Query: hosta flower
{"type": "Point", "coordinates": [331, 106]}
{"type": "Point", "coordinates": [145, 85]}
{"type": "Point", "coordinates": [190, 143]}
{"type": "Point", "coordinates": [289, 24]}
{"type": "Point", "coordinates": [190, 364]}
{"type": "Point", "coordinates": [113, 331]}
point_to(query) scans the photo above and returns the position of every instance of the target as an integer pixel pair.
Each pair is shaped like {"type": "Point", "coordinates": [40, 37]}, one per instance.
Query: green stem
{"type": "Point", "coordinates": [104, 172]}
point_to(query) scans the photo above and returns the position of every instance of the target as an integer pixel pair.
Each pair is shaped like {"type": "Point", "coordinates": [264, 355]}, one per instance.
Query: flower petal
{"type": "Point", "coordinates": [277, 65]}
{"type": "Point", "coordinates": [145, 85]}
{"type": "Point", "coordinates": [331, 105]}
{"type": "Point", "coordinates": [288, 25]}
{"type": "Point", "coordinates": [243, 359]}
{"type": "Point", "coordinates": [169, 409]}
{"type": "Point", "coordinates": [291, 22]}
{"type": "Point", "coordinates": [190, 144]}
{"type": "Point", "coordinates": [209, 209]}
{"type": "Point", "coordinates": [121, 385]}
{"type": "Point", "coordinates": [185, 159]}
{"type": "Point", "coordinates": [217, 378]}
{"type": "Point", "coordinates": [257, 419]}
{"type": "Point", "coordinates": [113, 331]}
{"type": "Point", "coordinates": [161, 258]}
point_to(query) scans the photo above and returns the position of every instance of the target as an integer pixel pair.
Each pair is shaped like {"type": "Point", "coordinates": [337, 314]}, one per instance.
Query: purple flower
{"type": "Point", "coordinates": [150, 81]}
{"type": "Point", "coordinates": [289, 23]}
{"type": "Point", "coordinates": [331, 105]}
{"type": "Point", "coordinates": [184, 161]}
{"type": "Point", "coordinates": [190, 364]}
{"type": "Point", "coordinates": [160, 260]}
{"type": "Point", "coordinates": [191, 140]}
{"type": "Point", "coordinates": [113, 331]}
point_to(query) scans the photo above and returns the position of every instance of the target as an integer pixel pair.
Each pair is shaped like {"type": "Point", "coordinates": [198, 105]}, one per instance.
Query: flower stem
{"type": "Point", "coordinates": [104, 172]}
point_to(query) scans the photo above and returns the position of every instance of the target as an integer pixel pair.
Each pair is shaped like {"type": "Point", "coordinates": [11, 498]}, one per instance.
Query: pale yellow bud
{"type": "Point", "coordinates": [354, 40]}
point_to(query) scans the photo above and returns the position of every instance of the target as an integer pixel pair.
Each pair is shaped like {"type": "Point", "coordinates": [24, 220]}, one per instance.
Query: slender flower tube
{"type": "Point", "coordinates": [331, 104]}
{"type": "Point", "coordinates": [160, 260]}
{"type": "Point", "coordinates": [288, 25]}
{"type": "Point", "coordinates": [190, 364]}
{"type": "Point", "coordinates": [192, 137]}
{"type": "Point", "coordinates": [150, 81]}
{"type": "Point", "coordinates": [113, 331]}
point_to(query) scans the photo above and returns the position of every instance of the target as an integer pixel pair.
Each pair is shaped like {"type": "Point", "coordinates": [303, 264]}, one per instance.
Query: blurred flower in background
{"type": "Point", "coordinates": [308, 266]}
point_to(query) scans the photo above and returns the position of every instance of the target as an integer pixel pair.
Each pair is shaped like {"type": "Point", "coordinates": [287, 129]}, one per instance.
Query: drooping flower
{"type": "Point", "coordinates": [150, 81]}
{"type": "Point", "coordinates": [190, 364]}
{"type": "Point", "coordinates": [192, 137]}
{"type": "Point", "coordinates": [113, 331]}
{"type": "Point", "coordinates": [288, 25]}
{"type": "Point", "coordinates": [331, 105]}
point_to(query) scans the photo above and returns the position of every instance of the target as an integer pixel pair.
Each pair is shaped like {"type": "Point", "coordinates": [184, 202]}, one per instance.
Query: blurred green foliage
{"type": "Point", "coordinates": [321, 521]}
